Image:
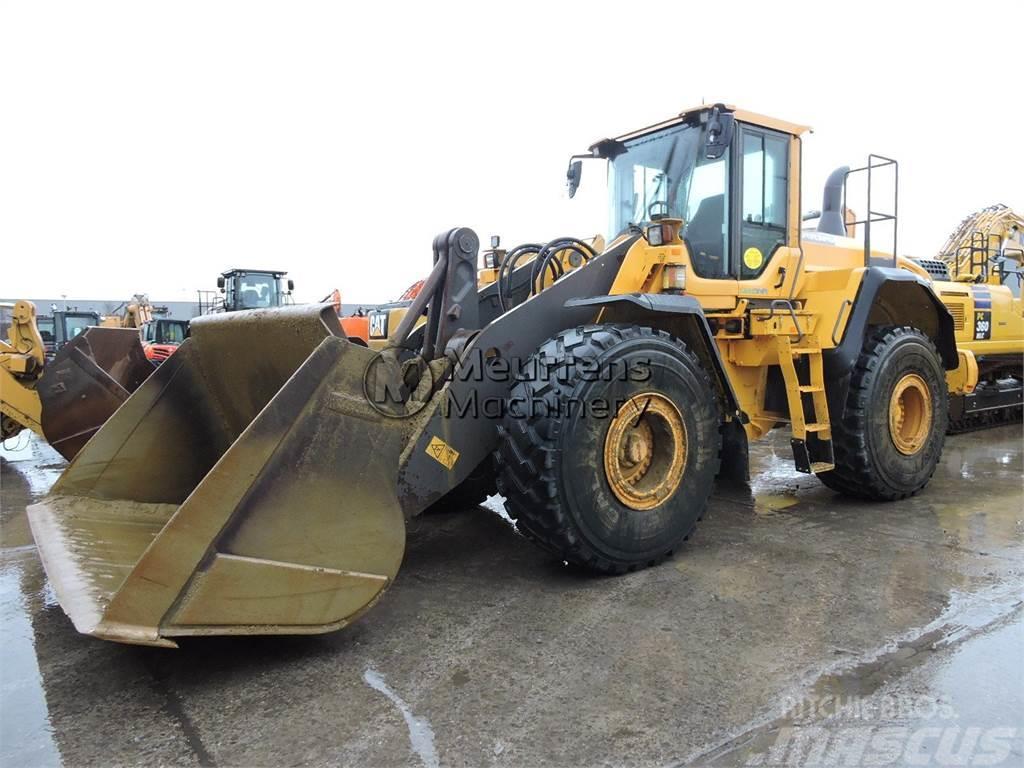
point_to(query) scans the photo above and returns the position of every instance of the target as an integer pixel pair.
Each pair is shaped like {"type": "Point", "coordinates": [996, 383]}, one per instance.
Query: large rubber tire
{"type": "Point", "coordinates": [868, 464]}
{"type": "Point", "coordinates": [549, 460]}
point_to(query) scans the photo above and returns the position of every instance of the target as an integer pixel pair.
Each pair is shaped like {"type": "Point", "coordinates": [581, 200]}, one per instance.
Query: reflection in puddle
{"type": "Point", "coordinates": [25, 730]}
{"type": "Point", "coordinates": [29, 468]}
{"type": "Point", "coordinates": [35, 461]}
{"type": "Point", "coordinates": [770, 503]}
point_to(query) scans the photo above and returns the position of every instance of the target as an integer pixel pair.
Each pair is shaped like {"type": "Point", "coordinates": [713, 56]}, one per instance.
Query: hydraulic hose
{"type": "Point", "coordinates": [508, 267]}
{"type": "Point", "coordinates": [547, 259]}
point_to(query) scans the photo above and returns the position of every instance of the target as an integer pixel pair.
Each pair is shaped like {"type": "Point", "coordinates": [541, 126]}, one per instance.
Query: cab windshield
{"type": "Point", "coordinates": [664, 175]}
{"type": "Point", "coordinates": [256, 291]}
{"type": "Point", "coordinates": [167, 331]}
{"type": "Point", "coordinates": [76, 324]}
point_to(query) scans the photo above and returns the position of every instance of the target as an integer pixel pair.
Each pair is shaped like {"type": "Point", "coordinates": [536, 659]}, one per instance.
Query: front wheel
{"type": "Point", "coordinates": [609, 446]}
{"type": "Point", "coordinates": [889, 439]}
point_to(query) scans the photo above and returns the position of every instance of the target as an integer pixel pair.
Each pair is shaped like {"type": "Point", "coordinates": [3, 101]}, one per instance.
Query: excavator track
{"type": "Point", "coordinates": [986, 420]}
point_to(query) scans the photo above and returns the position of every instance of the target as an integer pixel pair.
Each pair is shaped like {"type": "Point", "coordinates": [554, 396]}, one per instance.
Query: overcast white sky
{"type": "Point", "coordinates": [145, 147]}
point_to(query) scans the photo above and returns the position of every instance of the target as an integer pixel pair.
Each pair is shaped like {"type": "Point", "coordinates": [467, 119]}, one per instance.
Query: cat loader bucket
{"type": "Point", "coordinates": [247, 487]}
{"type": "Point", "coordinates": [88, 379]}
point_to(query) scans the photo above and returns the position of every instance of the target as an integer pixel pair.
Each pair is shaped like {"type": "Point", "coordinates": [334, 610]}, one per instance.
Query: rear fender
{"type": "Point", "coordinates": [887, 296]}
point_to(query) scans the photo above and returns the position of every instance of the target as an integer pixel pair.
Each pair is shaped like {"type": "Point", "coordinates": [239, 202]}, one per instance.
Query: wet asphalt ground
{"type": "Point", "coordinates": [795, 628]}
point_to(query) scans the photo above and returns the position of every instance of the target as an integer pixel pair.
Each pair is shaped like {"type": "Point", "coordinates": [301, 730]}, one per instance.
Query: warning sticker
{"type": "Point", "coordinates": [753, 258]}
{"type": "Point", "coordinates": [442, 452]}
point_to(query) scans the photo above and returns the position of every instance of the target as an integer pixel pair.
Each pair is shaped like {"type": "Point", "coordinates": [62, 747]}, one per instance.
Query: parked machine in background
{"type": "Point", "coordinates": [67, 397]}
{"type": "Point", "coordinates": [978, 274]}
{"type": "Point", "coordinates": [161, 337]}
{"type": "Point", "coordinates": [22, 357]}
{"type": "Point", "coordinates": [247, 289]}
{"type": "Point", "coordinates": [61, 326]}
{"type": "Point", "coordinates": [382, 319]}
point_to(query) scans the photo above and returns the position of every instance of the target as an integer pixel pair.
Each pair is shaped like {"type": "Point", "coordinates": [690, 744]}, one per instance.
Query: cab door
{"type": "Point", "coordinates": [707, 232]}
{"type": "Point", "coordinates": [761, 244]}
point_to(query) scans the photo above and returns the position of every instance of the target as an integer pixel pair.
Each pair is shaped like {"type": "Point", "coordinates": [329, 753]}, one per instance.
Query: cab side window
{"type": "Point", "coordinates": [706, 214]}
{"type": "Point", "coordinates": [763, 210]}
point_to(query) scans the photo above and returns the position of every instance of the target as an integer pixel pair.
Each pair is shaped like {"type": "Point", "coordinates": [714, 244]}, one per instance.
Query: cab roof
{"type": "Point", "coordinates": [236, 270]}
{"type": "Point", "coordinates": [743, 115]}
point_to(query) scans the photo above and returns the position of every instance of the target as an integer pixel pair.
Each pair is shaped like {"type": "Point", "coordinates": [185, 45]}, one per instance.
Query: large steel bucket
{"type": "Point", "coordinates": [246, 487]}
{"type": "Point", "coordinates": [87, 380]}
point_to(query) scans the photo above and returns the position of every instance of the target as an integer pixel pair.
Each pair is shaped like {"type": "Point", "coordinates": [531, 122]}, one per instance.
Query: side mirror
{"type": "Point", "coordinates": [220, 282]}
{"type": "Point", "coordinates": [720, 130]}
{"type": "Point", "coordinates": [291, 286]}
{"type": "Point", "coordinates": [572, 177]}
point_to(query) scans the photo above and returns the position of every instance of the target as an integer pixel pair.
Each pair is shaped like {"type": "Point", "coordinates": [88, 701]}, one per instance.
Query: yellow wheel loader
{"type": "Point", "coordinates": [237, 492]}
{"type": "Point", "coordinates": [64, 400]}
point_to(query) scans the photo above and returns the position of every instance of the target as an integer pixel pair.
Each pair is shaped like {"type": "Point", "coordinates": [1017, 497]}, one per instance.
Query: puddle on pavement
{"type": "Point", "coordinates": [28, 468]}
{"type": "Point", "coordinates": [836, 690]}
{"type": "Point", "coordinates": [25, 730]}
{"type": "Point", "coordinates": [37, 463]}
{"type": "Point", "coordinates": [768, 504]}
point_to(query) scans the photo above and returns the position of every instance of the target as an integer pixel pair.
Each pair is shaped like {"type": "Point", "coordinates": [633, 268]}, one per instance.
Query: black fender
{"type": "Point", "coordinates": [886, 296]}
{"type": "Point", "coordinates": [682, 316]}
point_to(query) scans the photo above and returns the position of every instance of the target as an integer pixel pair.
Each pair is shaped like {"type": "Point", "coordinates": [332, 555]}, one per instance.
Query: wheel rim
{"type": "Point", "coordinates": [910, 414]}
{"type": "Point", "coordinates": [645, 451]}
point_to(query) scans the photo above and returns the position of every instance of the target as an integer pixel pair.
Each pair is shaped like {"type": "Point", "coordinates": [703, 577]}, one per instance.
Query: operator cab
{"type": "Point", "coordinates": [63, 325]}
{"type": "Point", "coordinates": [254, 289]}
{"type": "Point", "coordinates": [165, 331]}
{"type": "Point", "coordinates": [717, 176]}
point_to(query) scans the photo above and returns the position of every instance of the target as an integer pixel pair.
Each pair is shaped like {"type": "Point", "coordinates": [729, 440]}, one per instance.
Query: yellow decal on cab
{"type": "Point", "coordinates": [442, 452]}
{"type": "Point", "coordinates": [753, 258]}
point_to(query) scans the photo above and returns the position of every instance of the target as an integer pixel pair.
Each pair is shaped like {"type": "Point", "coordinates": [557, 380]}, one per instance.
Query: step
{"type": "Point", "coordinates": [817, 427]}
{"type": "Point", "coordinates": [810, 388]}
{"type": "Point", "coordinates": [821, 466]}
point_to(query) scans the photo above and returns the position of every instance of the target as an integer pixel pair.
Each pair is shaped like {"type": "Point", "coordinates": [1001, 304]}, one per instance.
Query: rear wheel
{"type": "Point", "coordinates": [609, 446]}
{"type": "Point", "coordinates": [891, 435]}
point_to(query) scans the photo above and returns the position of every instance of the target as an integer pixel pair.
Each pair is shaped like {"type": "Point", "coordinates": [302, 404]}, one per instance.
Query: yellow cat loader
{"type": "Point", "coordinates": [64, 400]}
{"type": "Point", "coordinates": [241, 492]}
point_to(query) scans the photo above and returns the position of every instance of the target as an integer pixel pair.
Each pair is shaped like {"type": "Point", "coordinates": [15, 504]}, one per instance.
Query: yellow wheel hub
{"type": "Point", "coordinates": [910, 414]}
{"type": "Point", "coordinates": [645, 451]}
